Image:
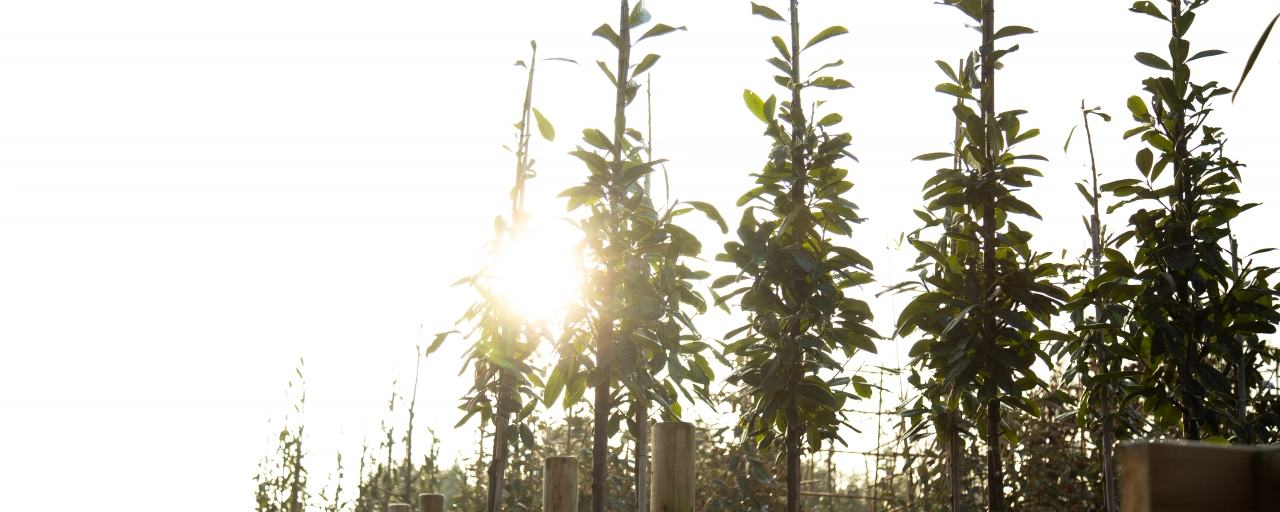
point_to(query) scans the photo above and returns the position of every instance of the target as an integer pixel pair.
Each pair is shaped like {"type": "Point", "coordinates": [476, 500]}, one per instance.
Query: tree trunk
{"type": "Point", "coordinates": [953, 461]}
{"type": "Point", "coordinates": [793, 456]}
{"type": "Point", "coordinates": [600, 446]}
{"type": "Point", "coordinates": [498, 468]}
{"type": "Point", "coordinates": [995, 477]}
{"type": "Point", "coordinates": [642, 456]}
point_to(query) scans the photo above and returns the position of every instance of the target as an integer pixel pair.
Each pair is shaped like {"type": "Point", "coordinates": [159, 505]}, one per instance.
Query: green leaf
{"type": "Point", "coordinates": [1152, 60]}
{"type": "Point", "coordinates": [639, 15]}
{"type": "Point", "coordinates": [954, 90]}
{"type": "Point", "coordinates": [827, 82]}
{"type": "Point", "coordinates": [1144, 160]}
{"type": "Point", "coordinates": [1206, 53]}
{"type": "Point", "coordinates": [659, 30]}
{"type": "Point", "coordinates": [830, 119]}
{"type": "Point", "coordinates": [933, 156]}
{"type": "Point", "coordinates": [946, 68]}
{"type": "Point", "coordinates": [1013, 30]}
{"type": "Point", "coordinates": [1253, 57]}
{"type": "Point", "coordinates": [606, 32]}
{"type": "Point", "coordinates": [781, 46]}
{"type": "Point", "coordinates": [826, 33]}
{"type": "Point", "coordinates": [1087, 196]}
{"type": "Point", "coordinates": [544, 126]}
{"type": "Point", "coordinates": [435, 344]}
{"type": "Point", "coordinates": [605, 67]}
{"type": "Point", "coordinates": [827, 65]}
{"type": "Point", "coordinates": [1138, 107]}
{"type": "Point", "coordinates": [1069, 134]}
{"type": "Point", "coordinates": [766, 12]}
{"type": "Point", "coordinates": [597, 138]}
{"type": "Point", "coordinates": [647, 62]}
{"type": "Point", "coordinates": [711, 213]}
{"type": "Point", "coordinates": [1148, 8]}
{"type": "Point", "coordinates": [754, 104]}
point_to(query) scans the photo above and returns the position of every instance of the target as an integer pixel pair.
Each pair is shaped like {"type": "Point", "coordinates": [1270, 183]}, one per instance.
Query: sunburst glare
{"type": "Point", "coordinates": [535, 275]}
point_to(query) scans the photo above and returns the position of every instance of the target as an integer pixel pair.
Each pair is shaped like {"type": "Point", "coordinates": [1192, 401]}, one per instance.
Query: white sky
{"type": "Point", "coordinates": [193, 194]}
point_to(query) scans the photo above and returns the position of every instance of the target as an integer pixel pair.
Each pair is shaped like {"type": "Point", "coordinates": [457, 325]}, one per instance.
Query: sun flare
{"type": "Point", "coordinates": [536, 275]}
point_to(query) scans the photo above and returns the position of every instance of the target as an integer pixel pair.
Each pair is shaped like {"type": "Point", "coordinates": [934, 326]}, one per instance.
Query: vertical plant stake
{"type": "Point", "coordinates": [1092, 352]}
{"type": "Point", "coordinates": [504, 339]}
{"type": "Point", "coordinates": [635, 283]}
{"type": "Point", "coordinates": [791, 275]}
{"type": "Point", "coordinates": [1194, 312]}
{"type": "Point", "coordinates": [979, 318]}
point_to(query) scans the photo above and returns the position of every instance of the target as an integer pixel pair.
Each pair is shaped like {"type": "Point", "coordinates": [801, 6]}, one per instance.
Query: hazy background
{"type": "Point", "coordinates": [194, 194]}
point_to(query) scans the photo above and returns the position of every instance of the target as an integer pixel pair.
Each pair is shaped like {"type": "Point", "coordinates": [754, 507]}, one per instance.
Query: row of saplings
{"type": "Point", "coordinates": [1166, 315]}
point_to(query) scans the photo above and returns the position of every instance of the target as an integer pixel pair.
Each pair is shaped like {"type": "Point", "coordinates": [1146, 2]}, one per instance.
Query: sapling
{"type": "Point", "coordinates": [791, 275]}
{"type": "Point", "coordinates": [1193, 311]}
{"type": "Point", "coordinates": [980, 316]}
{"type": "Point", "coordinates": [634, 279]}
{"type": "Point", "coordinates": [1090, 352]}
{"type": "Point", "coordinates": [504, 339]}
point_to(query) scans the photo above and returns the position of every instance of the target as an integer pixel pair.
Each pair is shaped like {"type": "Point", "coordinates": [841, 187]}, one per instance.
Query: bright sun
{"type": "Point", "coordinates": [536, 275]}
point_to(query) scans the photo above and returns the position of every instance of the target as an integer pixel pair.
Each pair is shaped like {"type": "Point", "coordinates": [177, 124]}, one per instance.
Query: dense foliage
{"type": "Point", "coordinates": [1160, 325]}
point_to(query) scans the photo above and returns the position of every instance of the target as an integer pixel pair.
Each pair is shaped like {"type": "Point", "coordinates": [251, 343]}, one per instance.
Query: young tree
{"type": "Point", "coordinates": [1092, 351]}
{"type": "Point", "coordinates": [282, 478]}
{"type": "Point", "coordinates": [505, 339]}
{"type": "Point", "coordinates": [979, 317]}
{"type": "Point", "coordinates": [635, 281]}
{"type": "Point", "coordinates": [793, 277]}
{"type": "Point", "coordinates": [1194, 307]}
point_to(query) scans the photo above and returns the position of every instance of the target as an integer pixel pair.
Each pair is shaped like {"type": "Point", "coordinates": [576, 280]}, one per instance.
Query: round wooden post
{"type": "Point", "coordinates": [560, 485]}
{"type": "Point", "coordinates": [399, 507]}
{"type": "Point", "coordinates": [672, 488]}
{"type": "Point", "coordinates": [430, 503]}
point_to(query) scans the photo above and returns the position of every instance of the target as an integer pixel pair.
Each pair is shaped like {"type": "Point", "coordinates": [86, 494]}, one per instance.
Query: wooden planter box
{"type": "Point", "coordinates": [1177, 476]}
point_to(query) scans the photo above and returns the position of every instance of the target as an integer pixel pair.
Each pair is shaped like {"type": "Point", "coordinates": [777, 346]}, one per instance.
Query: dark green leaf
{"type": "Point", "coordinates": [711, 213]}
{"type": "Point", "coordinates": [954, 90]}
{"type": "Point", "coordinates": [1206, 53]}
{"type": "Point", "coordinates": [1253, 57]}
{"type": "Point", "coordinates": [1148, 8]}
{"type": "Point", "coordinates": [1152, 60]}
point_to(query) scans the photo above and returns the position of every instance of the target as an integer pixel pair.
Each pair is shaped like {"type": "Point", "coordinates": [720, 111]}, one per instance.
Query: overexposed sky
{"type": "Point", "coordinates": [195, 193]}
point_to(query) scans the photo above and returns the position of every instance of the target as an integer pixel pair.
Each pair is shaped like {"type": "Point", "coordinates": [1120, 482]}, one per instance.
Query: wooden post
{"type": "Point", "coordinates": [672, 488]}
{"type": "Point", "coordinates": [399, 507]}
{"type": "Point", "coordinates": [1266, 464]}
{"type": "Point", "coordinates": [430, 503]}
{"type": "Point", "coordinates": [1181, 476]}
{"type": "Point", "coordinates": [560, 485]}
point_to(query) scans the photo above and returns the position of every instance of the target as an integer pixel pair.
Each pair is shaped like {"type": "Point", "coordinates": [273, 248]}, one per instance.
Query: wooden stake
{"type": "Point", "coordinates": [672, 488]}
{"type": "Point", "coordinates": [560, 485]}
{"type": "Point", "coordinates": [399, 507]}
{"type": "Point", "coordinates": [430, 503]}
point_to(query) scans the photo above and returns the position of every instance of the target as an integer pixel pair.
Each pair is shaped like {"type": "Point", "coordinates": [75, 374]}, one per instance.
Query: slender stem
{"type": "Point", "coordinates": [408, 436]}
{"type": "Point", "coordinates": [1104, 396]}
{"type": "Point", "coordinates": [995, 477]}
{"type": "Point", "coordinates": [953, 461]}
{"type": "Point", "coordinates": [605, 345]}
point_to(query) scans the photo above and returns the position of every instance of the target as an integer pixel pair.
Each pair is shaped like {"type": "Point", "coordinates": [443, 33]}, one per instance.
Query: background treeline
{"type": "Point", "coordinates": [1026, 367]}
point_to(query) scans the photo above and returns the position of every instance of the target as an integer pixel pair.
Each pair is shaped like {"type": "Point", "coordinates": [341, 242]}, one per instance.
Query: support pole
{"type": "Point", "coordinates": [672, 488]}
{"type": "Point", "coordinates": [560, 485]}
{"type": "Point", "coordinates": [430, 503]}
{"type": "Point", "coordinates": [399, 507]}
